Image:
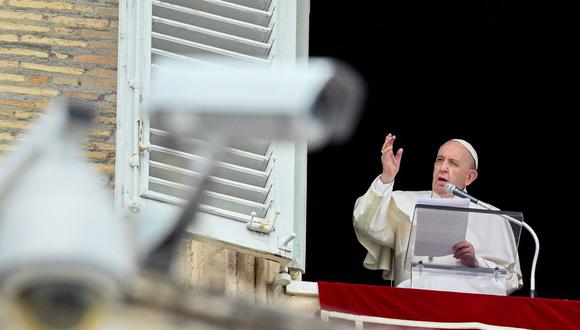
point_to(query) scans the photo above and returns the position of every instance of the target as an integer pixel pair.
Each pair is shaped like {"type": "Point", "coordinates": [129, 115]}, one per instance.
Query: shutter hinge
{"type": "Point", "coordinates": [134, 160]}
{"type": "Point", "coordinates": [133, 84]}
{"type": "Point", "coordinates": [134, 206]}
{"type": "Point", "coordinates": [259, 226]}
{"type": "Point", "coordinates": [141, 137]}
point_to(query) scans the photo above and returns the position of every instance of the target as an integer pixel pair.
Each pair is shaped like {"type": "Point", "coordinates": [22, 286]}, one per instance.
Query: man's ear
{"type": "Point", "coordinates": [471, 177]}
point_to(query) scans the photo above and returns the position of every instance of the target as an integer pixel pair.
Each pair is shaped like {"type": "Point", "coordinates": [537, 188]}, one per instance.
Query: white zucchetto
{"type": "Point", "coordinates": [469, 148]}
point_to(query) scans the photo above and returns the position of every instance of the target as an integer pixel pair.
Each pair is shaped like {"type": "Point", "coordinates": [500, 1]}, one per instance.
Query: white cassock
{"type": "Point", "coordinates": [382, 222]}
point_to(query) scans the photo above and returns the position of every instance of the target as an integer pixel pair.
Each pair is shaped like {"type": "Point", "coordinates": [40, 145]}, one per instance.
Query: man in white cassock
{"type": "Point", "coordinates": [383, 219]}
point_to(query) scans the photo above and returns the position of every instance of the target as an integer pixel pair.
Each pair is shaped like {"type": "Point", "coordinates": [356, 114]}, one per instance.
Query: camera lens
{"type": "Point", "coordinates": [58, 305]}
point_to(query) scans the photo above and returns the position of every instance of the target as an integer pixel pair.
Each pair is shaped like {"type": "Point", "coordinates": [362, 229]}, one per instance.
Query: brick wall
{"type": "Point", "coordinates": [59, 48]}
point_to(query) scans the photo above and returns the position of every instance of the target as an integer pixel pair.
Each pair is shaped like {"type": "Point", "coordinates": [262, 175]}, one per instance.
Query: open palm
{"type": "Point", "coordinates": [390, 160]}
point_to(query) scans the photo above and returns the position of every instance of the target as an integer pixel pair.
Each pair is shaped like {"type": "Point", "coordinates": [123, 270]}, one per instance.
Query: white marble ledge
{"type": "Point", "coordinates": [302, 288]}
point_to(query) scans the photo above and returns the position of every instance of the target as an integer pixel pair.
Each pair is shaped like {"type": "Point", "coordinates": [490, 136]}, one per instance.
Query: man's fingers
{"type": "Point", "coordinates": [461, 245]}
{"type": "Point", "coordinates": [384, 145]}
{"type": "Point", "coordinates": [386, 149]}
{"type": "Point", "coordinates": [465, 252]}
{"type": "Point", "coordinates": [399, 155]}
{"type": "Point", "coordinates": [470, 261]}
{"type": "Point", "coordinates": [388, 144]}
{"type": "Point", "coordinates": [462, 252]}
{"type": "Point", "coordinates": [458, 253]}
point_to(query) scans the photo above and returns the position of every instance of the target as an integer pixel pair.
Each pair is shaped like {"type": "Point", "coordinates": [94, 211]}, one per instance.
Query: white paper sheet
{"type": "Point", "coordinates": [438, 230]}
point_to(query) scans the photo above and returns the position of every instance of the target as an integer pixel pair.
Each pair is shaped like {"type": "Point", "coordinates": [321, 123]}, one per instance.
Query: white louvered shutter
{"type": "Point", "coordinates": [258, 182]}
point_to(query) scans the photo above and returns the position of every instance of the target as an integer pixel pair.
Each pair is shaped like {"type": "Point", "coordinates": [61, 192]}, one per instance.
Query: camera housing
{"type": "Point", "coordinates": [318, 101]}
{"type": "Point", "coordinates": [63, 250]}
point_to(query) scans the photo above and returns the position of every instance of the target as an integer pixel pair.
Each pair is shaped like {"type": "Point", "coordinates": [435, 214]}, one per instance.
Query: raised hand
{"type": "Point", "coordinates": [390, 160]}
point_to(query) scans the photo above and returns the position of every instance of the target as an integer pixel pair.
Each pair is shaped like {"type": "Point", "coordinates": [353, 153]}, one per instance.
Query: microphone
{"type": "Point", "coordinates": [452, 189]}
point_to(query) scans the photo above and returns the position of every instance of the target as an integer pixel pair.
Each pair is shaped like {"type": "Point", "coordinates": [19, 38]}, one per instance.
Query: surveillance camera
{"type": "Point", "coordinates": [318, 102]}
{"type": "Point", "coordinates": [63, 251]}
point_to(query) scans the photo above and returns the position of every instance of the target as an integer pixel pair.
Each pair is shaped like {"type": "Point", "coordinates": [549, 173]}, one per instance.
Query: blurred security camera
{"type": "Point", "coordinates": [64, 254]}
{"type": "Point", "coordinates": [217, 100]}
{"type": "Point", "coordinates": [319, 102]}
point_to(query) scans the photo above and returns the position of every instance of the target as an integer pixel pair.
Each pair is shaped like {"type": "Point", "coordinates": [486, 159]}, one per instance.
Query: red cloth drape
{"type": "Point", "coordinates": [439, 306]}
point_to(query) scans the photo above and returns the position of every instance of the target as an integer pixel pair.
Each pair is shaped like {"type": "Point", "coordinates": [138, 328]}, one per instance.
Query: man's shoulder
{"type": "Point", "coordinates": [412, 193]}
{"type": "Point", "coordinates": [406, 200]}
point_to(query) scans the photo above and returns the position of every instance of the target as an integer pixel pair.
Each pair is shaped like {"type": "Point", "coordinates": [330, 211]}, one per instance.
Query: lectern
{"type": "Point", "coordinates": [436, 227]}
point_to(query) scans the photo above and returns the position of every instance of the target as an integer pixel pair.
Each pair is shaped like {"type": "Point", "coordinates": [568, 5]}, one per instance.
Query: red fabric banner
{"type": "Point", "coordinates": [440, 306]}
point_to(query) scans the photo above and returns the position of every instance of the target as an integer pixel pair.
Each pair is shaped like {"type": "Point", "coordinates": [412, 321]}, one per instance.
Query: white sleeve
{"type": "Point", "coordinates": [372, 228]}
{"type": "Point", "coordinates": [381, 187]}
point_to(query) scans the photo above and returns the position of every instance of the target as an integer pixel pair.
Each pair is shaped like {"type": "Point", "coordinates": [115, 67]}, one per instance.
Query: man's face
{"type": "Point", "coordinates": [454, 165]}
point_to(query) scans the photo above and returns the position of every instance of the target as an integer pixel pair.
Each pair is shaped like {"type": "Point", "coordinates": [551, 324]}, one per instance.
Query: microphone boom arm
{"type": "Point", "coordinates": [536, 241]}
